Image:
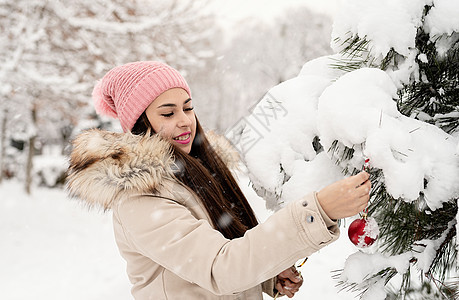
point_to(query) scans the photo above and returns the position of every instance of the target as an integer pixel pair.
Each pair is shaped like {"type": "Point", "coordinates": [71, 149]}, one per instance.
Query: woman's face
{"type": "Point", "coordinates": [171, 115]}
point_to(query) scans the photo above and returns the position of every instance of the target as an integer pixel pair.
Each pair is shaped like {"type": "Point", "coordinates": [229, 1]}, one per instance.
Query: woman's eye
{"type": "Point", "coordinates": [172, 113]}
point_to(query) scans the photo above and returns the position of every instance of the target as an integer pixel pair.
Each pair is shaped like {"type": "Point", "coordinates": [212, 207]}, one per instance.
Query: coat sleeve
{"type": "Point", "coordinates": [269, 286]}
{"type": "Point", "coordinates": [167, 232]}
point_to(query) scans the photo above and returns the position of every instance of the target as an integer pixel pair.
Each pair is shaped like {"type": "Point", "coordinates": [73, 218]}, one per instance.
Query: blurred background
{"type": "Point", "coordinates": [52, 52]}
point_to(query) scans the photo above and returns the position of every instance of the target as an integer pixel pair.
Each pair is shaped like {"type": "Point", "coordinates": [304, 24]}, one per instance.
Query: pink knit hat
{"type": "Point", "coordinates": [126, 91]}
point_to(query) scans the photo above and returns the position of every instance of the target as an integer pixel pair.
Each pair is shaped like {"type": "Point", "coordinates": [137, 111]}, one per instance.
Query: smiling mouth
{"type": "Point", "coordinates": [182, 137]}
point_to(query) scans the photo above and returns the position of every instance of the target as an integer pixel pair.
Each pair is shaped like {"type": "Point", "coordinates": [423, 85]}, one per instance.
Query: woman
{"type": "Point", "coordinates": [180, 220]}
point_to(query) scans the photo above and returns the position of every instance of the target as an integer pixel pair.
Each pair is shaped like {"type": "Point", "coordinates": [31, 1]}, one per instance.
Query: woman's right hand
{"type": "Point", "coordinates": [346, 197]}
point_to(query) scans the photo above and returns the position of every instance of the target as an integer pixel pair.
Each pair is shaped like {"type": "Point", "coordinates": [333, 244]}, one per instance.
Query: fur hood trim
{"type": "Point", "coordinates": [106, 165]}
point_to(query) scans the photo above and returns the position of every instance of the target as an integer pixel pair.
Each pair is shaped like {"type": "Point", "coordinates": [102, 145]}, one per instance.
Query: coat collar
{"type": "Point", "coordinates": [106, 165]}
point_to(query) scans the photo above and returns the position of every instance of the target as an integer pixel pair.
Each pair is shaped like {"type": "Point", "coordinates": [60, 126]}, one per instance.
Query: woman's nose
{"type": "Point", "coordinates": [184, 121]}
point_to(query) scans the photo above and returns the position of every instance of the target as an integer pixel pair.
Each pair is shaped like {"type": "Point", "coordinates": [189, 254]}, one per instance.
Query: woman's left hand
{"type": "Point", "coordinates": [289, 282]}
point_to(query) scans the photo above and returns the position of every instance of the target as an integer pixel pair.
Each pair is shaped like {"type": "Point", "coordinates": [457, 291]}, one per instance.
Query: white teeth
{"type": "Point", "coordinates": [182, 138]}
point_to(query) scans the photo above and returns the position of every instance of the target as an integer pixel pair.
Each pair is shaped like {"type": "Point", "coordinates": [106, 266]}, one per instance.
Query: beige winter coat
{"type": "Point", "coordinates": [163, 232]}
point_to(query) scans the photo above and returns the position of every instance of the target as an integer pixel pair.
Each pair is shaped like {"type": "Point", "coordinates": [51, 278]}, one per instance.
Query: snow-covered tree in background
{"type": "Point", "coordinates": [256, 56]}
{"type": "Point", "coordinates": [53, 52]}
{"type": "Point", "coordinates": [390, 94]}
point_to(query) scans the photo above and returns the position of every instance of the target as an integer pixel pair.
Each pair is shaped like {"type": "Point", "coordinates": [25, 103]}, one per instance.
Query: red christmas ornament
{"type": "Point", "coordinates": [363, 232]}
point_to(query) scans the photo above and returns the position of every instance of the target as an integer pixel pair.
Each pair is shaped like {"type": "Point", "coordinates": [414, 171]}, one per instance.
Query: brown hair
{"type": "Point", "coordinates": [206, 174]}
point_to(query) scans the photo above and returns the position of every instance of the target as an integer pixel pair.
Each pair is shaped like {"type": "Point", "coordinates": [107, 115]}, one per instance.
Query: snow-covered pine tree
{"type": "Point", "coordinates": [429, 94]}
{"type": "Point", "coordinates": [389, 94]}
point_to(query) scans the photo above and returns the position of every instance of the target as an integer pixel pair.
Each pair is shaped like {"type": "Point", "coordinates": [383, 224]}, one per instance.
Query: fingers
{"type": "Point", "coordinates": [284, 290]}
{"type": "Point", "coordinates": [291, 274]}
{"type": "Point", "coordinates": [289, 282]}
{"type": "Point", "coordinates": [361, 192]}
{"type": "Point", "coordinates": [346, 197]}
{"type": "Point", "coordinates": [360, 178]}
{"type": "Point", "coordinates": [364, 198]}
{"type": "Point", "coordinates": [364, 189]}
{"type": "Point", "coordinates": [292, 286]}
{"type": "Point", "coordinates": [361, 183]}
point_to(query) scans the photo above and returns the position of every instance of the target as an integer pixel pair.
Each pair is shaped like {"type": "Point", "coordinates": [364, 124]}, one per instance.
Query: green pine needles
{"type": "Point", "coordinates": [432, 95]}
{"type": "Point", "coordinates": [435, 97]}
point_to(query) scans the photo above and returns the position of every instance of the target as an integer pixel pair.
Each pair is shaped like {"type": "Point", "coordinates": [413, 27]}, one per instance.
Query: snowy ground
{"type": "Point", "coordinates": [54, 248]}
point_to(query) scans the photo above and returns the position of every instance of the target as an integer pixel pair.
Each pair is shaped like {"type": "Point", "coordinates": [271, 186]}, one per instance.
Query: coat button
{"type": "Point", "coordinates": [305, 203]}
{"type": "Point", "coordinates": [309, 219]}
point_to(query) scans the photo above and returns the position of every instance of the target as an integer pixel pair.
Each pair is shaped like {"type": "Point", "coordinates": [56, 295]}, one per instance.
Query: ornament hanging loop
{"type": "Point", "coordinates": [366, 168]}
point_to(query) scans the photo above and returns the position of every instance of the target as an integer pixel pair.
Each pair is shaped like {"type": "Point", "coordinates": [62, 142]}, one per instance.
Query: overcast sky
{"type": "Point", "coordinates": [230, 11]}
